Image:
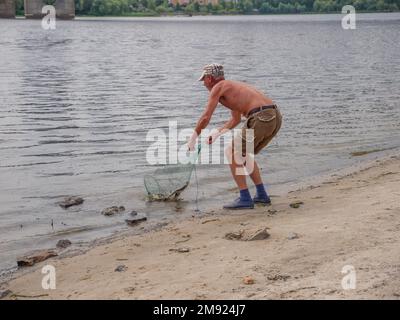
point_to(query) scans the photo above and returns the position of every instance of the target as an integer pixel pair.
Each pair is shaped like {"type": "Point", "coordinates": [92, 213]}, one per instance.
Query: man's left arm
{"type": "Point", "coordinates": [235, 119]}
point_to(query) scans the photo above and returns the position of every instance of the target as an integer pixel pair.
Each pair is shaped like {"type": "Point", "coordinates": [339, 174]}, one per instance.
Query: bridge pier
{"type": "Point", "coordinates": [7, 8]}
{"type": "Point", "coordinates": [33, 9]}
{"type": "Point", "coordinates": [65, 9]}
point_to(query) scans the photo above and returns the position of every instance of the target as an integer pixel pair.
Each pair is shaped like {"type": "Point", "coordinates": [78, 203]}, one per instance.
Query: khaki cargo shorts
{"type": "Point", "coordinates": [265, 125]}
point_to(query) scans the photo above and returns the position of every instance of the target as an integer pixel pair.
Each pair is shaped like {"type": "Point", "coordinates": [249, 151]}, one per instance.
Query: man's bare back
{"type": "Point", "coordinates": [239, 96]}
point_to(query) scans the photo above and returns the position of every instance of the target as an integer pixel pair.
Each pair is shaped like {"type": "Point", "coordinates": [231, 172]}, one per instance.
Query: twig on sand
{"type": "Point", "coordinates": [210, 220]}
{"type": "Point", "coordinates": [298, 289]}
{"type": "Point", "coordinates": [14, 295]}
{"type": "Point", "coordinates": [181, 241]}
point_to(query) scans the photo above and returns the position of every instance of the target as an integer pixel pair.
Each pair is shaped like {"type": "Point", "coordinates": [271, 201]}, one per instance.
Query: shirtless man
{"type": "Point", "coordinates": [262, 116]}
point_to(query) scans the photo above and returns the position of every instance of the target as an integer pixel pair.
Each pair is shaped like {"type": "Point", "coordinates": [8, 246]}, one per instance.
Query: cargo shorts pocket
{"type": "Point", "coordinates": [266, 115]}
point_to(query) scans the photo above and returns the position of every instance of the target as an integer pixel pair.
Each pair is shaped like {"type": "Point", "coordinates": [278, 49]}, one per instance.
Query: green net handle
{"type": "Point", "coordinates": [196, 155]}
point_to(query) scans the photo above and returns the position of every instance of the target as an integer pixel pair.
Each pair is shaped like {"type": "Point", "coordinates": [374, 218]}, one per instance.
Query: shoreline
{"type": "Point", "coordinates": [211, 223]}
{"type": "Point", "coordinates": [185, 15]}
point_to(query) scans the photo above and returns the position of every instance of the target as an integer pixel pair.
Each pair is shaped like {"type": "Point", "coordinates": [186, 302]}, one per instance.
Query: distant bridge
{"type": "Point", "coordinates": [65, 9]}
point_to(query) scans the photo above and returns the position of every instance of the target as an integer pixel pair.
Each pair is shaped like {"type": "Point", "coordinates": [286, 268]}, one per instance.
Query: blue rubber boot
{"type": "Point", "coordinates": [243, 202]}
{"type": "Point", "coordinates": [261, 197]}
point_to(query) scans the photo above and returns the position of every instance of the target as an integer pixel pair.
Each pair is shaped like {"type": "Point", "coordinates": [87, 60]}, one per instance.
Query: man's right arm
{"type": "Point", "coordinates": [205, 118]}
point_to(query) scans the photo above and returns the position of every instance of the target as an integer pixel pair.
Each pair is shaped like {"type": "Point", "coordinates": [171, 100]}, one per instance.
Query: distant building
{"type": "Point", "coordinates": [181, 2]}
{"type": "Point", "coordinates": [205, 2]}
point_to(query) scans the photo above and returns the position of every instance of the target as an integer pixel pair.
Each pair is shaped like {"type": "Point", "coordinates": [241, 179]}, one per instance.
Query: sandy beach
{"type": "Point", "coordinates": [351, 220]}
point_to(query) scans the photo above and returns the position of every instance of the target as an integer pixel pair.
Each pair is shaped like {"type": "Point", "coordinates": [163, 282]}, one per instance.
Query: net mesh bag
{"type": "Point", "coordinates": [167, 182]}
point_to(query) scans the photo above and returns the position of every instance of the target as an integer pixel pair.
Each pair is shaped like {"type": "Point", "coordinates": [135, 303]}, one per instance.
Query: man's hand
{"type": "Point", "coordinates": [191, 144]}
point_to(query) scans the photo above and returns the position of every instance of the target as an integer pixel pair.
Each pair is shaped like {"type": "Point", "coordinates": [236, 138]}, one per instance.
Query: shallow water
{"type": "Point", "coordinates": [77, 103]}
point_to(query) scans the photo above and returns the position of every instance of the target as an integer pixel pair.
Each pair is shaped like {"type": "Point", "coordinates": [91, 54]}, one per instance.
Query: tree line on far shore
{"type": "Point", "coordinates": [163, 7]}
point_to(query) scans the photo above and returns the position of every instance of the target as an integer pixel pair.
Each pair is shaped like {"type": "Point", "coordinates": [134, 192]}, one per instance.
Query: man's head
{"type": "Point", "coordinates": [212, 74]}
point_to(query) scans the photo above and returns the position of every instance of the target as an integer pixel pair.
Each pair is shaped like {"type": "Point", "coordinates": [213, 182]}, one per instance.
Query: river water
{"type": "Point", "coordinates": [76, 104]}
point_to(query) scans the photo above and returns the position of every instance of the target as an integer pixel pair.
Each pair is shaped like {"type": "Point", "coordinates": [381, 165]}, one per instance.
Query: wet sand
{"type": "Point", "coordinates": [351, 220]}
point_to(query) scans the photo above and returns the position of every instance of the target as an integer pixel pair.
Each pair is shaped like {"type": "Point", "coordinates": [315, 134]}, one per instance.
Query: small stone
{"type": "Point", "coordinates": [296, 204]}
{"type": "Point", "coordinates": [133, 213]}
{"type": "Point", "coordinates": [35, 257]}
{"type": "Point", "coordinates": [293, 235]}
{"type": "Point", "coordinates": [272, 211]}
{"type": "Point", "coordinates": [136, 221]}
{"type": "Point", "coordinates": [62, 244]}
{"type": "Point", "coordinates": [248, 280]}
{"type": "Point", "coordinates": [234, 235]}
{"type": "Point", "coordinates": [71, 201]}
{"type": "Point", "coordinates": [129, 289]}
{"type": "Point", "coordinates": [248, 235]}
{"type": "Point", "coordinates": [277, 277]}
{"type": "Point", "coordinates": [112, 210]}
{"type": "Point", "coordinates": [121, 268]}
{"type": "Point", "coordinates": [257, 234]}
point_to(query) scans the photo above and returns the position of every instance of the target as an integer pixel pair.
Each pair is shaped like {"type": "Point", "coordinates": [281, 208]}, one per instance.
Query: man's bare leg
{"type": "Point", "coordinates": [255, 174]}
{"type": "Point", "coordinates": [261, 196]}
{"type": "Point", "coordinates": [238, 173]}
{"type": "Point", "coordinates": [240, 179]}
